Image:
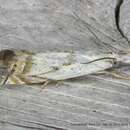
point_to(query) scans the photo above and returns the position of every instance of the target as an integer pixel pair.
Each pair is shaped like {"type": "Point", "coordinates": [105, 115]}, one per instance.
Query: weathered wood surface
{"type": "Point", "coordinates": [125, 19]}
{"type": "Point", "coordinates": [48, 25]}
{"type": "Point", "coordinates": [88, 103]}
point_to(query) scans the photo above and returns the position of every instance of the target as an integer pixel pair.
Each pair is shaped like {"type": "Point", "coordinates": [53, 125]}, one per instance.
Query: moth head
{"type": "Point", "coordinates": [6, 57]}
{"type": "Point", "coordinates": [6, 60]}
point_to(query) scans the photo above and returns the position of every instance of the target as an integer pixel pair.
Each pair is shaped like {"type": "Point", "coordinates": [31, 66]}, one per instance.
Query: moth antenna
{"type": "Point", "coordinates": [100, 59]}
{"type": "Point", "coordinates": [9, 74]}
{"type": "Point", "coordinates": [6, 79]}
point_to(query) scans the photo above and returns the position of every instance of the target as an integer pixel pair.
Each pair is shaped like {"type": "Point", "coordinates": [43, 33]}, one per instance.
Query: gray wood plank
{"type": "Point", "coordinates": [96, 102]}
{"type": "Point", "coordinates": [61, 108]}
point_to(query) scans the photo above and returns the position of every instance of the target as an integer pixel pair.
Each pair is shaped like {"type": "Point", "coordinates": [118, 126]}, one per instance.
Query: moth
{"type": "Point", "coordinates": [23, 67]}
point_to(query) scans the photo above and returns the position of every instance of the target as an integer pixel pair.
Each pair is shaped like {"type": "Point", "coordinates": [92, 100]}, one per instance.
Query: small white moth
{"type": "Point", "coordinates": [23, 67]}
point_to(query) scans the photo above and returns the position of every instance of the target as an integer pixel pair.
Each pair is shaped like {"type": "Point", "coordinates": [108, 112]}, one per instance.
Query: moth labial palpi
{"type": "Point", "coordinates": [23, 67]}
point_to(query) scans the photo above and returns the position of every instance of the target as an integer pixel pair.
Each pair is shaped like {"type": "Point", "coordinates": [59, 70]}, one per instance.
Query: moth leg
{"type": "Point", "coordinates": [45, 83]}
{"type": "Point", "coordinates": [9, 74]}
{"type": "Point", "coordinates": [5, 79]}
{"type": "Point", "coordinates": [120, 75]}
{"type": "Point", "coordinates": [15, 80]}
{"type": "Point", "coordinates": [31, 80]}
{"type": "Point", "coordinates": [117, 74]}
{"type": "Point", "coordinates": [59, 83]}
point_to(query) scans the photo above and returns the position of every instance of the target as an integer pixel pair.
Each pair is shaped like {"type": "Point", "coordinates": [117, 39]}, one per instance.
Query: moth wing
{"type": "Point", "coordinates": [77, 70]}
{"type": "Point", "coordinates": [43, 62]}
{"type": "Point", "coordinates": [69, 65]}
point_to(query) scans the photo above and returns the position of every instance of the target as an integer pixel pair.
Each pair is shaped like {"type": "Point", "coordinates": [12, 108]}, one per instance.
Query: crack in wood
{"type": "Point", "coordinates": [117, 18]}
{"type": "Point", "coordinates": [30, 127]}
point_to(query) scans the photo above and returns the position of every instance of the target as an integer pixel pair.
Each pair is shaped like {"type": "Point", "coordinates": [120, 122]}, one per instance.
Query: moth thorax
{"type": "Point", "coordinates": [21, 64]}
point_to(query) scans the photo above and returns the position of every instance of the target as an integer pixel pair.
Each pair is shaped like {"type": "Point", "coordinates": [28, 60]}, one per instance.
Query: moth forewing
{"type": "Point", "coordinates": [77, 70]}
{"type": "Point", "coordinates": [43, 63]}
